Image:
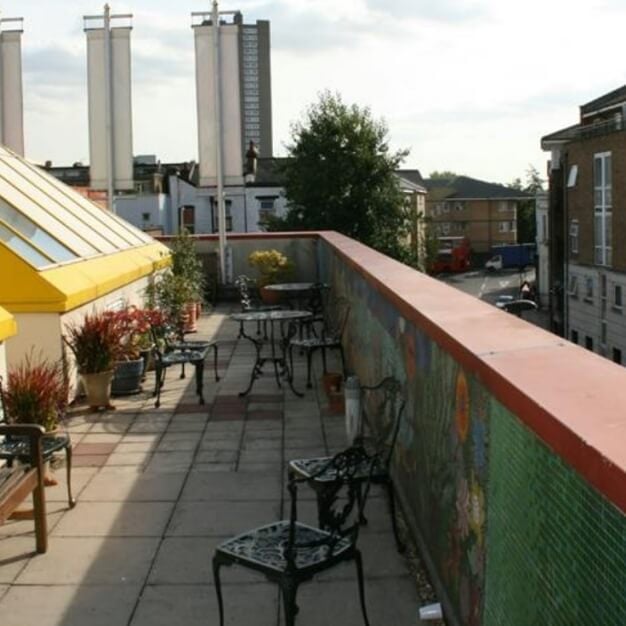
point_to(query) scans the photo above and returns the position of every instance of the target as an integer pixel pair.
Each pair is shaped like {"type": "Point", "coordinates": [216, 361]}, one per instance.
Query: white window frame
{"type": "Point", "coordinates": [574, 231]}
{"type": "Point", "coordinates": [589, 288]}
{"type": "Point", "coordinates": [602, 208]}
{"type": "Point", "coordinates": [572, 177]}
{"type": "Point", "coordinates": [572, 287]}
{"type": "Point", "coordinates": [503, 206]}
{"type": "Point", "coordinates": [618, 302]}
{"type": "Point", "coordinates": [503, 227]}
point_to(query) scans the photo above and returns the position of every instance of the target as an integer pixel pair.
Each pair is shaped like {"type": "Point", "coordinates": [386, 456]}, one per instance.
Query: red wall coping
{"type": "Point", "coordinates": [574, 400]}
{"type": "Point", "coordinates": [259, 235]}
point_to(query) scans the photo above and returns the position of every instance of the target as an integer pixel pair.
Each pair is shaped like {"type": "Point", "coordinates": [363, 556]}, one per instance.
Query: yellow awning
{"type": "Point", "coordinates": [23, 289]}
{"type": "Point", "coordinates": [8, 327]}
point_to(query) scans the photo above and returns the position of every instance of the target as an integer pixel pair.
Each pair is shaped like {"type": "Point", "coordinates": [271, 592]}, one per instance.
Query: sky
{"type": "Point", "coordinates": [469, 86]}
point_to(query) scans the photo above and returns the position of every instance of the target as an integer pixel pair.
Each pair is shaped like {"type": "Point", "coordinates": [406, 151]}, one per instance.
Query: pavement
{"type": "Point", "coordinates": [157, 490]}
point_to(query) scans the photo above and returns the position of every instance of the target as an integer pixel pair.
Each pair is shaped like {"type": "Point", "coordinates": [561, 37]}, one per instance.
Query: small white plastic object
{"type": "Point", "coordinates": [431, 611]}
{"type": "Point", "coordinates": [352, 394]}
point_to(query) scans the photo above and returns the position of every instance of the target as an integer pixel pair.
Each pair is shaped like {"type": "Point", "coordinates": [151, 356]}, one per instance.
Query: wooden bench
{"type": "Point", "coordinates": [18, 481]}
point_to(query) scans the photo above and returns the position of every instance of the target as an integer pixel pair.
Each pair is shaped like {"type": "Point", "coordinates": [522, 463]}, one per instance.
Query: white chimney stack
{"type": "Point", "coordinates": [11, 96]}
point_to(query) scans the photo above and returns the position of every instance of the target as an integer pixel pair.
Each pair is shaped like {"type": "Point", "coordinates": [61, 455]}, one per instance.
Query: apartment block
{"type": "Point", "coordinates": [587, 216]}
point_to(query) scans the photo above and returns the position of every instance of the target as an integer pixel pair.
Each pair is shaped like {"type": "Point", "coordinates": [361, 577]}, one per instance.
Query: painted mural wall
{"type": "Point", "coordinates": [511, 533]}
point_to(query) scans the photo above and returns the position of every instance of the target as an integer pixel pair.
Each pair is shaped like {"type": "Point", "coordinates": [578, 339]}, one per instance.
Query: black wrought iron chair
{"type": "Point", "coordinates": [330, 336]}
{"type": "Point", "coordinates": [290, 552]}
{"type": "Point", "coordinates": [250, 301]}
{"type": "Point", "coordinates": [382, 410]}
{"type": "Point", "coordinates": [168, 341]}
{"type": "Point", "coordinates": [17, 448]}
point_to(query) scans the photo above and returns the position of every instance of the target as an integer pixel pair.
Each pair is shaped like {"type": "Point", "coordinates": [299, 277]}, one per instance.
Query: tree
{"type": "Point", "coordinates": [340, 176]}
{"type": "Point", "coordinates": [526, 224]}
{"type": "Point", "coordinates": [443, 175]}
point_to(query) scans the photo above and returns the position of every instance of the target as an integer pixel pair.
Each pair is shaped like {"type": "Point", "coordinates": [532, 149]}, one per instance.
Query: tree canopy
{"type": "Point", "coordinates": [526, 225]}
{"type": "Point", "coordinates": [340, 176]}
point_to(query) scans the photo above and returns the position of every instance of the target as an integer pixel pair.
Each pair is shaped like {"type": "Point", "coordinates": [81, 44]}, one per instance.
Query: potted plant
{"type": "Point", "coordinates": [273, 266]}
{"type": "Point", "coordinates": [135, 343]}
{"type": "Point", "coordinates": [173, 295]}
{"type": "Point", "coordinates": [187, 266]}
{"type": "Point", "coordinates": [95, 344]}
{"type": "Point", "coordinates": [36, 393]}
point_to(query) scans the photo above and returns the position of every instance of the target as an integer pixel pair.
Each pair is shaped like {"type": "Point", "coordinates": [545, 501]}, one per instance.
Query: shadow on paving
{"type": "Point", "coordinates": [157, 490]}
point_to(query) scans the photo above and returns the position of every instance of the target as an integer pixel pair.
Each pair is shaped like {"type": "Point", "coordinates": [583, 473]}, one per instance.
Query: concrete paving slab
{"type": "Point", "coordinates": [216, 456]}
{"type": "Point", "coordinates": [196, 605]}
{"type": "Point", "coordinates": [231, 486]}
{"type": "Point", "coordinates": [91, 561]}
{"type": "Point", "coordinates": [15, 553]}
{"type": "Point", "coordinates": [113, 485]}
{"type": "Point", "coordinates": [188, 560]}
{"type": "Point", "coordinates": [170, 461]}
{"type": "Point", "coordinates": [115, 519]}
{"type": "Point", "coordinates": [388, 601]}
{"type": "Point", "coordinates": [198, 519]}
{"type": "Point", "coordinates": [68, 605]}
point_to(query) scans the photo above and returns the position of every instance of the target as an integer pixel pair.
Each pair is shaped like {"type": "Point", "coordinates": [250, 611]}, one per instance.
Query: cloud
{"type": "Point", "coordinates": [305, 29]}
{"type": "Point", "coordinates": [439, 10]}
{"type": "Point", "coordinates": [54, 65]}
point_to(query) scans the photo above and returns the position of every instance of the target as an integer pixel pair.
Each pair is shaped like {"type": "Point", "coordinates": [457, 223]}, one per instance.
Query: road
{"type": "Point", "coordinates": [489, 285]}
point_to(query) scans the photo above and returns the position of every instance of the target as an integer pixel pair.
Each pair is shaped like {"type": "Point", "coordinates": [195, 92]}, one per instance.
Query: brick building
{"type": "Point", "coordinates": [587, 215]}
{"type": "Point", "coordinates": [485, 213]}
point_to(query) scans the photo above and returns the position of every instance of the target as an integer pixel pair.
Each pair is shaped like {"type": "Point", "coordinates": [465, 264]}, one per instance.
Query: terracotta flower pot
{"type": "Point", "coordinates": [336, 403]}
{"type": "Point", "coordinates": [191, 323]}
{"type": "Point", "coordinates": [98, 389]}
{"type": "Point", "coordinates": [332, 382]}
{"type": "Point", "coordinates": [269, 296]}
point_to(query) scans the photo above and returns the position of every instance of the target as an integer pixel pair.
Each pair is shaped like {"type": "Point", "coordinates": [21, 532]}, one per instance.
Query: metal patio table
{"type": "Point", "coordinates": [277, 352]}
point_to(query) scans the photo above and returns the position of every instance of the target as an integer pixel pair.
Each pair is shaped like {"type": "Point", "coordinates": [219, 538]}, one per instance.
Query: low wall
{"type": "Point", "coordinates": [299, 248]}
{"type": "Point", "coordinates": [510, 464]}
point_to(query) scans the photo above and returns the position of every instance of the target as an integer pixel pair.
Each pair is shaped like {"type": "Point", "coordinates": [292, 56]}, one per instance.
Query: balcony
{"type": "Point", "coordinates": [510, 468]}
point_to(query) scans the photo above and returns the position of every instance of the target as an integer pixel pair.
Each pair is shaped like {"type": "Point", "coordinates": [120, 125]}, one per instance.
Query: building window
{"type": "Point", "coordinates": [617, 355]}
{"type": "Point", "coordinates": [572, 288]}
{"type": "Point", "coordinates": [574, 335]}
{"type": "Point", "coordinates": [459, 206]}
{"type": "Point", "coordinates": [446, 207]}
{"type": "Point", "coordinates": [503, 205]}
{"type": "Point", "coordinates": [573, 237]}
{"type": "Point", "coordinates": [503, 227]}
{"type": "Point", "coordinates": [572, 176]}
{"type": "Point", "coordinates": [602, 207]}
{"type": "Point", "coordinates": [603, 332]}
{"type": "Point", "coordinates": [145, 217]}
{"type": "Point", "coordinates": [589, 288]}
{"type": "Point", "coordinates": [445, 228]}
{"type": "Point", "coordinates": [617, 296]}
{"type": "Point", "coordinates": [512, 226]}
{"type": "Point", "coordinates": [588, 342]}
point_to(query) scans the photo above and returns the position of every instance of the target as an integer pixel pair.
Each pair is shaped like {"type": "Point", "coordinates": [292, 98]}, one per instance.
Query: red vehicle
{"type": "Point", "coordinates": [454, 255]}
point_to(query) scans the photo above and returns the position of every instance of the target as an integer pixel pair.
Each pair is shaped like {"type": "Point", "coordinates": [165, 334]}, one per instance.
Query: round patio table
{"type": "Point", "coordinates": [277, 353]}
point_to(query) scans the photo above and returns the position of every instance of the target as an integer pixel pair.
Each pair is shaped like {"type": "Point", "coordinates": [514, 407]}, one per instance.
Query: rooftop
{"type": "Point", "coordinates": [466, 188]}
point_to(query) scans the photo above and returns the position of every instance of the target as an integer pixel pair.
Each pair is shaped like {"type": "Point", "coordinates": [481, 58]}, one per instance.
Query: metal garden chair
{"type": "Point", "coordinates": [18, 447]}
{"type": "Point", "coordinates": [251, 302]}
{"type": "Point", "coordinates": [382, 409]}
{"type": "Point", "coordinates": [335, 318]}
{"type": "Point", "coordinates": [290, 552]}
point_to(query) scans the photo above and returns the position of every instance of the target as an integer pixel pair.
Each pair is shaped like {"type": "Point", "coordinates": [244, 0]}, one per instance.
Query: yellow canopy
{"type": "Point", "coordinates": [8, 327]}
{"type": "Point", "coordinates": [59, 250]}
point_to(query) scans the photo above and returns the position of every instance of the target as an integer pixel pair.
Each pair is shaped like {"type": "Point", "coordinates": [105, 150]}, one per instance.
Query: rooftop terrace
{"type": "Point", "coordinates": [158, 489]}
{"type": "Point", "coordinates": [510, 469]}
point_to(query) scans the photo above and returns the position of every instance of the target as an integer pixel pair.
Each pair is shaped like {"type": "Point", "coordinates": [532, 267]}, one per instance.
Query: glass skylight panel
{"type": "Point", "coordinates": [22, 248]}
{"type": "Point", "coordinates": [34, 234]}
{"type": "Point", "coordinates": [47, 219]}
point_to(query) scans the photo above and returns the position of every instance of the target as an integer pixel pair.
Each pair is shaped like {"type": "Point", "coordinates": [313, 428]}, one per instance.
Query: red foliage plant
{"type": "Point", "coordinates": [133, 326]}
{"type": "Point", "coordinates": [37, 393]}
